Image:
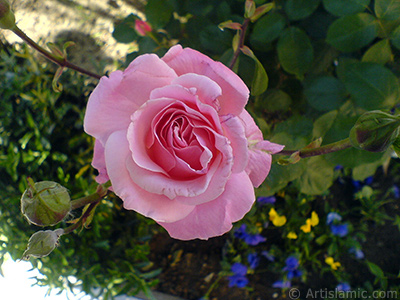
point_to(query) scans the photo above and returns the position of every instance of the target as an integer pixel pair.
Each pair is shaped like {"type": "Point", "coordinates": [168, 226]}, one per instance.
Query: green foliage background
{"type": "Point", "coordinates": [327, 63]}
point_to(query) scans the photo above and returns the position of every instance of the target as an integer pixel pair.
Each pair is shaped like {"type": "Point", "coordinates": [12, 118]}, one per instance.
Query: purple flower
{"type": "Point", "coordinates": [339, 230]}
{"type": "Point", "coordinates": [333, 216]}
{"type": "Point", "coordinates": [343, 287]}
{"type": "Point", "coordinates": [357, 253]}
{"type": "Point", "coordinates": [268, 256]}
{"type": "Point", "coordinates": [239, 278]}
{"type": "Point", "coordinates": [266, 200]}
{"type": "Point", "coordinates": [253, 260]}
{"type": "Point", "coordinates": [250, 239]}
{"type": "Point", "coordinates": [282, 284]}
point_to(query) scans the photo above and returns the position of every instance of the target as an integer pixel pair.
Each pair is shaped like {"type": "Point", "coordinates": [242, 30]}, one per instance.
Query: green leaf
{"type": "Point", "coordinates": [371, 85]}
{"type": "Point", "coordinates": [214, 39]}
{"type": "Point", "coordinates": [317, 178]}
{"type": "Point", "coordinates": [295, 51]}
{"type": "Point", "coordinates": [267, 29]}
{"type": "Point", "coordinates": [345, 7]}
{"type": "Point", "coordinates": [300, 9]}
{"type": "Point", "coordinates": [260, 79]}
{"type": "Point", "coordinates": [375, 269]}
{"type": "Point", "coordinates": [323, 124]}
{"type": "Point", "coordinates": [380, 53]}
{"type": "Point", "coordinates": [324, 93]}
{"type": "Point", "coordinates": [158, 12]}
{"type": "Point", "coordinates": [387, 9]}
{"type": "Point", "coordinates": [395, 38]}
{"type": "Point", "coordinates": [124, 32]}
{"type": "Point", "coordinates": [351, 33]}
{"type": "Point", "coordinates": [275, 101]}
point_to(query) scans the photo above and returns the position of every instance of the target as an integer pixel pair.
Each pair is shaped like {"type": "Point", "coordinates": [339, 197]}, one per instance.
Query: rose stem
{"type": "Point", "coordinates": [62, 62]}
{"type": "Point", "coordinates": [241, 42]}
{"type": "Point", "coordinates": [333, 147]}
{"type": "Point", "coordinates": [100, 193]}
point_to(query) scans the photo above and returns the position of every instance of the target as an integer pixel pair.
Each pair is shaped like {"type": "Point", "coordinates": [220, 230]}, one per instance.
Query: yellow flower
{"type": "Point", "coordinates": [276, 219]}
{"type": "Point", "coordinates": [314, 219]}
{"type": "Point", "coordinates": [306, 227]}
{"type": "Point", "coordinates": [330, 261]}
{"type": "Point", "coordinates": [292, 235]}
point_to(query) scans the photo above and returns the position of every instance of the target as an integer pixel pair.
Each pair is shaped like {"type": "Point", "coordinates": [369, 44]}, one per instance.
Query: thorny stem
{"type": "Point", "coordinates": [100, 193]}
{"type": "Point", "coordinates": [333, 147]}
{"type": "Point", "coordinates": [92, 200]}
{"type": "Point", "coordinates": [62, 62]}
{"type": "Point", "coordinates": [241, 42]}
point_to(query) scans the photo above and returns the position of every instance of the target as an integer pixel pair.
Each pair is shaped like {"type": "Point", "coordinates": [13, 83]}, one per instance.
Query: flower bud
{"type": "Point", "coordinates": [45, 203]}
{"type": "Point", "coordinates": [142, 27]}
{"type": "Point", "coordinates": [42, 243]}
{"type": "Point", "coordinates": [375, 131]}
{"type": "Point", "coordinates": [7, 18]}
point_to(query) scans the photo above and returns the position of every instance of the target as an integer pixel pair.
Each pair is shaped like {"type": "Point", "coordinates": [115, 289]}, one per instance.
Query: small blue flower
{"type": "Point", "coordinates": [339, 230]}
{"type": "Point", "coordinates": [338, 168]}
{"type": "Point", "coordinates": [239, 278]}
{"type": "Point", "coordinates": [250, 239]}
{"type": "Point", "coordinates": [282, 284]}
{"type": "Point", "coordinates": [268, 256]}
{"type": "Point", "coordinates": [343, 287]}
{"type": "Point", "coordinates": [292, 263]}
{"type": "Point", "coordinates": [357, 253]}
{"type": "Point", "coordinates": [253, 260]}
{"type": "Point", "coordinates": [333, 216]}
{"type": "Point", "coordinates": [239, 269]}
{"type": "Point", "coordinates": [368, 180]}
{"type": "Point", "coordinates": [396, 191]}
{"type": "Point", "coordinates": [266, 200]}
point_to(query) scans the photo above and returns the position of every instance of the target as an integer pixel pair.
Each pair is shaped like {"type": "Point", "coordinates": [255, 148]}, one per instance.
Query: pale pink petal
{"type": "Point", "coordinates": [206, 89]}
{"type": "Point", "coordinates": [234, 131]}
{"type": "Point", "coordinates": [116, 97]}
{"type": "Point", "coordinates": [157, 207]}
{"type": "Point", "coordinates": [99, 162]}
{"type": "Point", "coordinates": [260, 151]}
{"type": "Point", "coordinates": [235, 93]}
{"type": "Point", "coordinates": [216, 217]}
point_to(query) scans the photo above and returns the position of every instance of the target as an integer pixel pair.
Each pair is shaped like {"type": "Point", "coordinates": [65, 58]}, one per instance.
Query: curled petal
{"type": "Point", "coordinates": [235, 93]}
{"type": "Point", "coordinates": [99, 162]}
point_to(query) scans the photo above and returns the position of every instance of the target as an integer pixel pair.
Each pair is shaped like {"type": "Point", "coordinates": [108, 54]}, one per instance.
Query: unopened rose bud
{"type": "Point", "coordinates": [42, 243]}
{"type": "Point", "coordinates": [142, 27]}
{"type": "Point", "coordinates": [7, 18]}
{"type": "Point", "coordinates": [45, 203]}
{"type": "Point", "coordinates": [375, 131]}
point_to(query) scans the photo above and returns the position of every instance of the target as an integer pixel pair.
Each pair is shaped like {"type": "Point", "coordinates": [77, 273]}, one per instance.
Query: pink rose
{"type": "Point", "coordinates": [174, 138]}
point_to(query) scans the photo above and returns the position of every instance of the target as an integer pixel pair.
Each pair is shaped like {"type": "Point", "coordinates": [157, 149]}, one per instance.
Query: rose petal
{"type": "Point", "coordinates": [115, 98]}
{"type": "Point", "coordinates": [235, 93]}
{"type": "Point", "coordinates": [206, 89]}
{"type": "Point", "coordinates": [157, 207]}
{"type": "Point", "coordinates": [215, 218]}
{"type": "Point", "coordinates": [260, 159]}
{"type": "Point", "coordinates": [99, 162]}
{"type": "Point", "coordinates": [234, 131]}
